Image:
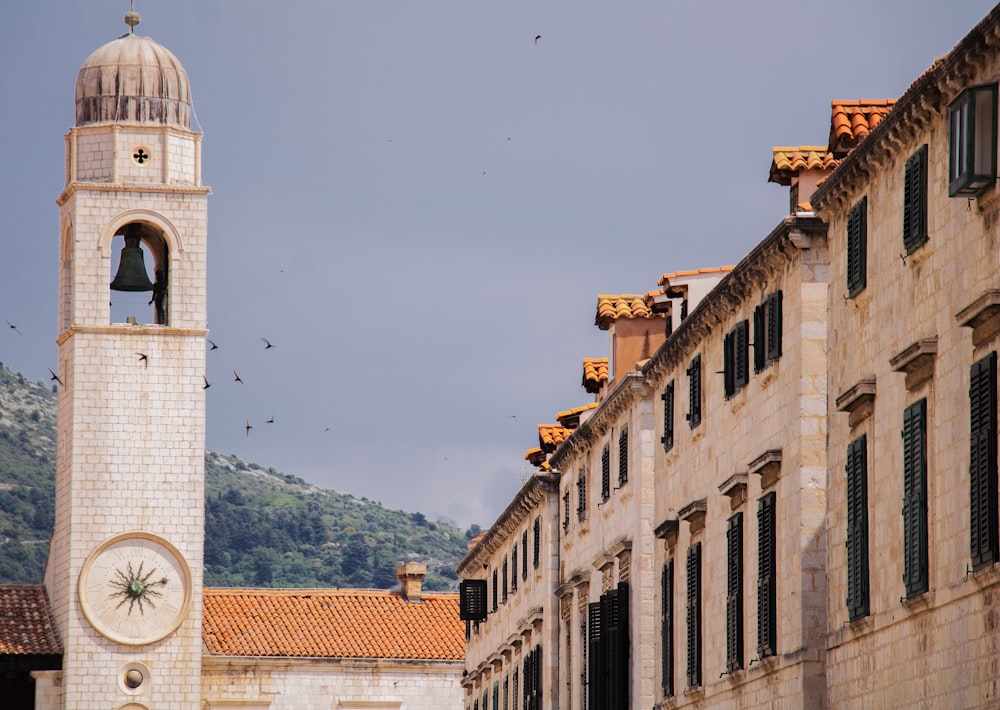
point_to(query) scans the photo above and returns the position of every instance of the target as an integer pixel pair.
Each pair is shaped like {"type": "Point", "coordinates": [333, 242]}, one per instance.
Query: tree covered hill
{"type": "Point", "coordinates": [263, 528]}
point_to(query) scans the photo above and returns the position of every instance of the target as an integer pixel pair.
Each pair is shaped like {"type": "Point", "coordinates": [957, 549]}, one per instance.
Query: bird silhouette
{"type": "Point", "coordinates": [207, 383]}
{"type": "Point", "coordinates": [14, 328]}
{"type": "Point", "coordinates": [249, 427]}
{"type": "Point", "coordinates": [537, 37]}
{"type": "Point", "coordinates": [144, 358]}
{"type": "Point", "coordinates": [236, 378]}
{"type": "Point", "coordinates": [54, 376]}
{"type": "Point", "coordinates": [214, 346]}
{"type": "Point", "coordinates": [270, 421]}
{"type": "Point", "coordinates": [267, 344]}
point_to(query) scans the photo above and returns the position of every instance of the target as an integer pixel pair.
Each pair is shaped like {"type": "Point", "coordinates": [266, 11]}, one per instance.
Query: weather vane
{"type": "Point", "coordinates": [132, 17]}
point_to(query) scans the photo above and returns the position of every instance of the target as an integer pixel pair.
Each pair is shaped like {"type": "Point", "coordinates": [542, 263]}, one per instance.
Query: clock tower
{"type": "Point", "coordinates": [125, 567]}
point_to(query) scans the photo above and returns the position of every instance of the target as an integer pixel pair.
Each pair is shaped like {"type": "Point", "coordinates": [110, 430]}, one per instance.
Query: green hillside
{"type": "Point", "coordinates": [263, 528]}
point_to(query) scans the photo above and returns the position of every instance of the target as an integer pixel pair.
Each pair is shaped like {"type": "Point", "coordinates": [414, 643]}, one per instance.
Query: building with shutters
{"type": "Point", "coordinates": [914, 316]}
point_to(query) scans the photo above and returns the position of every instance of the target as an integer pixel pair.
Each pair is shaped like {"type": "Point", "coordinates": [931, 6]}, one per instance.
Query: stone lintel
{"type": "Point", "coordinates": [694, 513]}
{"type": "Point", "coordinates": [917, 361]}
{"type": "Point", "coordinates": [858, 401]}
{"type": "Point", "coordinates": [768, 466]}
{"type": "Point", "coordinates": [736, 488]}
{"type": "Point", "coordinates": [619, 547]}
{"type": "Point", "coordinates": [603, 562]}
{"type": "Point", "coordinates": [667, 531]}
{"type": "Point", "coordinates": [982, 315]}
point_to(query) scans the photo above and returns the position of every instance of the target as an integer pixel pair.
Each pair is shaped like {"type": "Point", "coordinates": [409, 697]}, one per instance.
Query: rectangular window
{"type": "Point", "coordinates": [623, 458]}
{"type": "Point", "coordinates": [857, 528]}
{"type": "Point", "coordinates": [767, 590]}
{"type": "Point", "coordinates": [536, 553]}
{"type": "Point", "coordinates": [735, 352]}
{"type": "Point", "coordinates": [915, 201]}
{"type": "Point", "coordinates": [857, 248]}
{"type": "Point", "coordinates": [767, 332]}
{"type": "Point", "coordinates": [914, 434]}
{"type": "Point", "coordinates": [581, 495]}
{"type": "Point", "coordinates": [503, 587]}
{"type": "Point", "coordinates": [608, 638]}
{"type": "Point", "coordinates": [606, 473]}
{"type": "Point", "coordinates": [472, 599]}
{"type": "Point", "coordinates": [513, 568]}
{"type": "Point", "coordinates": [524, 554]}
{"type": "Point", "coordinates": [506, 693]}
{"type": "Point", "coordinates": [983, 462]}
{"type": "Point", "coordinates": [566, 511]}
{"type": "Point", "coordinates": [973, 137]}
{"type": "Point", "coordinates": [694, 392]}
{"type": "Point", "coordinates": [667, 629]}
{"type": "Point", "coordinates": [694, 615]}
{"type": "Point", "coordinates": [734, 593]}
{"type": "Point", "coordinates": [515, 697]}
{"type": "Point", "coordinates": [496, 590]}
{"type": "Point", "coordinates": [496, 695]}
{"type": "Point", "coordinates": [668, 416]}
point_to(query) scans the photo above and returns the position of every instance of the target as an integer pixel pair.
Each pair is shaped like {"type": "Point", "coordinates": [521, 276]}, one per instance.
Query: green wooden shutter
{"type": "Point", "coordinates": [537, 542]}
{"type": "Point", "coordinates": [915, 201]}
{"type": "Point", "coordinates": [668, 416]}
{"type": "Point", "coordinates": [741, 355]}
{"type": "Point", "coordinates": [623, 457]}
{"type": "Point", "coordinates": [767, 622]}
{"type": "Point", "coordinates": [595, 658]}
{"type": "Point", "coordinates": [759, 338]}
{"type": "Point", "coordinates": [728, 366]}
{"type": "Point", "coordinates": [694, 392]}
{"type": "Point", "coordinates": [667, 628]}
{"type": "Point", "coordinates": [983, 461]}
{"type": "Point", "coordinates": [605, 473]}
{"type": "Point", "coordinates": [914, 434]}
{"type": "Point", "coordinates": [504, 578]}
{"type": "Point", "coordinates": [472, 599]}
{"type": "Point", "coordinates": [857, 247]}
{"type": "Point", "coordinates": [773, 311]}
{"type": "Point", "coordinates": [734, 592]}
{"type": "Point", "coordinates": [694, 615]}
{"type": "Point", "coordinates": [857, 528]}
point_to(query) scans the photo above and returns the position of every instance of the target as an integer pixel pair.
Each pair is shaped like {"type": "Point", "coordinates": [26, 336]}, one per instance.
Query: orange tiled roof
{"type": "Point", "coordinates": [550, 436]}
{"type": "Point", "coordinates": [571, 417]}
{"type": "Point", "coordinates": [536, 457]}
{"type": "Point", "coordinates": [851, 121]}
{"type": "Point", "coordinates": [339, 623]}
{"type": "Point", "coordinates": [26, 624]}
{"type": "Point", "coordinates": [595, 373]}
{"type": "Point", "coordinates": [611, 308]}
{"type": "Point", "coordinates": [694, 272]}
{"type": "Point", "coordinates": [475, 541]}
{"type": "Point", "coordinates": [789, 162]}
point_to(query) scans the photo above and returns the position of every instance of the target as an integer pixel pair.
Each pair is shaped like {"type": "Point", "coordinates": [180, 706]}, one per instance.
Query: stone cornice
{"type": "Point", "coordinates": [756, 271]}
{"type": "Point", "coordinates": [923, 103]}
{"type": "Point", "coordinates": [631, 387]}
{"type": "Point", "coordinates": [517, 511]}
{"type": "Point", "coordinates": [73, 187]}
{"type": "Point", "coordinates": [125, 329]}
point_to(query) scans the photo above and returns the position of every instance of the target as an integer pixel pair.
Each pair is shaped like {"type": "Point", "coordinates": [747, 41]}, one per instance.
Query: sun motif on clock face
{"type": "Point", "coordinates": [136, 588]}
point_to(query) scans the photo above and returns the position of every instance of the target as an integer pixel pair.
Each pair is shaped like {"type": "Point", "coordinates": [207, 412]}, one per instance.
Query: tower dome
{"type": "Point", "coordinates": [133, 80]}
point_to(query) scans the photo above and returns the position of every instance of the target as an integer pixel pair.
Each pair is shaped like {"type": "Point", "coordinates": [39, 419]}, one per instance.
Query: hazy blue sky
{"type": "Point", "coordinates": [418, 203]}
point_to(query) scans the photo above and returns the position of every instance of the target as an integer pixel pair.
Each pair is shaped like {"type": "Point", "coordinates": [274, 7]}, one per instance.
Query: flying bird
{"type": "Point", "coordinates": [207, 383]}
{"type": "Point", "coordinates": [270, 421]}
{"type": "Point", "coordinates": [267, 344]}
{"type": "Point", "coordinates": [54, 376]}
{"type": "Point", "coordinates": [236, 378]}
{"type": "Point", "coordinates": [537, 37]}
{"type": "Point", "coordinates": [214, 346]}
{"type": "Point", "coordinates": [14, 328]}
{"type": "Point", "coordinates": [144, 358]}
{"type": "Point", "coordinates": [249, 427]}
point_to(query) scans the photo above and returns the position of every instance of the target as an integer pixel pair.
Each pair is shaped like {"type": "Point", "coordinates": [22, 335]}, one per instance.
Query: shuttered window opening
{"type": "Point", "coordinates": [503, 586]}
{"type": "Point", "coordinates": [538, 542]}
{"type": "Point", "coordinates": [472, 599]}
{"type": "Point", "coordinates": [667, 629]}
{"type": "Point", "coordinates": [623, 457]}
{"type": "Point", "coordinates": [694, 392]}
{"type": "Point", "coordinates": [566, 511]}
{"type": "Point", "coordinates": [734, 593]}
{"type": "Point", "coordinates": [533, 679]}
{"type": "Point", "coordinates": [506, 694]}
{"type": "Point", "coordinates": [496, 589]}
{"type": "Point", "coordinates": [857, 247]}
{"type": "Point", "coordinates": [735, 357]}
{"type": "Point", "coordinates": [513, 568]}
{"type": "Point", "coordinates": [915, 572]}
{"type": "Point", "coordinates": [767, 331]}
{"type": "Point", "coordinates": [694, 615]}
{"type": "Point", "coordinates": [767, 592]}
{"type": "Point", "coordinates": [857, 529]}
{"type": "Point", "coordinates": [668, 416]}
{"type": "Point", "coordinates": [915, 201]}
{"type": "Point", "coordinates": [608, 652]}
{"type": "Point", "coordinates": [581, 495]}
{"type": "Point", "coordinates": [983, 527]}
{"type": "Point", "coordinates": [606, 473]}
{"type": "Point", "coordinates": [515, 691]}
{"type": "Point", "coordinates": [496, 696]}
{"type": "Point", "coordinates": [524, 554]}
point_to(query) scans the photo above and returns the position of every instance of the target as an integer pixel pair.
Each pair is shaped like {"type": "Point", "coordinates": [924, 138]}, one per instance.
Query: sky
{"type": "Point", "coordinates": [418, 203]}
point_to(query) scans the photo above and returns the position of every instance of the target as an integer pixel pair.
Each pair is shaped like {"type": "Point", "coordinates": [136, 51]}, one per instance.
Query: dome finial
{"type": "Point", "coordinates": [132, 17]}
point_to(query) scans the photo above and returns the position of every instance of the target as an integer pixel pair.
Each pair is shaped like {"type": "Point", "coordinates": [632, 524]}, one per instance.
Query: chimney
{"type": "Point", "coordinates": [411, 575]}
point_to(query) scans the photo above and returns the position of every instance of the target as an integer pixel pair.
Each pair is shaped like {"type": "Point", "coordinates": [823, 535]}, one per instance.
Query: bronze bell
{"type": "Point", "coordinates": [132, 275]}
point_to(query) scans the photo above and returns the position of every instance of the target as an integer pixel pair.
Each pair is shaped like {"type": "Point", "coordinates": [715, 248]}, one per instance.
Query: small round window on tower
{"type": "Point", "coordinates": [141, 156]}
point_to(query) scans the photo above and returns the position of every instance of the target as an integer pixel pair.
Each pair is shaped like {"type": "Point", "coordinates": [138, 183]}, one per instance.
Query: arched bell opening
{"type": "Point", "coordinates": [140, 275]}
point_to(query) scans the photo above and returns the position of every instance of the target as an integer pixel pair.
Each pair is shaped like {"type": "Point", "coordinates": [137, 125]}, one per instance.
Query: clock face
{"type": "Point", "coordinates": [135, 588]}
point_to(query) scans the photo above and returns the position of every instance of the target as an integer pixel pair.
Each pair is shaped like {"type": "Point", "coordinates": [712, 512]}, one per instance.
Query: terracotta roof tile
{"type": "Point", "coordinates": [852, 121]}
{"type": "Point", "coordinates": [595, 373]}
{"type": "Point", "coordinates": [611, 308]}
{"type": "Point", "coordinates": [789, 162]}
{"type": "Point", "coordinates": [550, 436]}
{"type": "Point", "coordinates": [339, 623]}
{"type": "Point", "coordinates": [694, 272]}
{"type": "Point", "coordinates": [537, 457]}
{"type": "Point", "coordinates": [26, 624]}
{"type": "Point", "coordinates": [571, 417]}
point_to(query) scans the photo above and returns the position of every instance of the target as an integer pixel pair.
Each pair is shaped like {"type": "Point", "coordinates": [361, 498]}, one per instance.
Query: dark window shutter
{"type": "Point", "coordinates": [668, 417]}
{"type": "Point", "coordinates": [506, 693]}
{"type": "Point", "coordinates": [515, 690]}
{"type": "Point", "coordinates": [914, 433]}
{"type": "Point", "coordinates": [983, 461]}
{"type": "Point", "coordinates": [472, 599]}
{"type": "Point", "coordinates": [595, 658]}
{"type": "Point", "coordinates": [623, 457]}
{"type": "Point", "coordinates": [496, 696]}
{"type": "Point", "coordinates": [728, 365]}
{"type": "Point", "coordinates": [767, 620]}
{"type": "Point", "coordinates": [496, 590]}
{"type": "Point", "coordinates": [524, 553]}
{"type": "Point", "coordinates": [566, 511]}
{"type": "Point", "coordinates": [741, 356]}
{"type": "Point", "coordinates": [605, 473]}
{"type": "Point", "coordinates": [513, 568]}
{"type": "Point", "coordinates": [857, 528]}
{"type": "Point", "coordinates": [759, 338]}
{"type": "Point", "coordinates": [667, 629]}
{"type": "Point", "coordinates": [734, 593]}
{"type": "Point", "coordinates": [915, 201]}
{"type": "Point", "coordinates": [857, 247]}
{"type": "Point", "coordinates": [694, 615]}
{"type": "Point", "coordinates": [538, 542]}
{"type": "Point", "coordinates": [694, 392]}
{"type": "Point", "coordinates": [504, 578]}
{"type": "Point", "coordinates": [537, 673]}
{"type": "Point", "coordinates": [581, 495]}
{"type": "Point", "coordinates": [618, 646]}
{"type": "Point", "coordinates": [773, 311]}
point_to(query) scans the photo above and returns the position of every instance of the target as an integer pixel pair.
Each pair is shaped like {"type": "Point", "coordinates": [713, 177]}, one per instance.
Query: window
{"type": "Point", "coordinates": [515, 697]}
{"type": "Point", "coordinates": [472, 599]}
{"type": "Point", "coordinates": [857, 528]}
{"type": "Point", "coordinates": [503, 586]}
{"type": "Point", "coordinates": [668, 416]}
{"type": "Point", "coordinates": [667, 629]}
{"type": "Point", "coordinates": [623, 457]}
{"type": "Point", "coordinates": [767, 617]}
{"type": "Point", "coordinates": [506, 693]}
{"type": "Point", "coordinates": [767, 332]}
{"type": "Point", "coordinates": [538, 537]}
{"type": "Point", "coordinates": [496, 590]}
{"type": "Point", "coordinates": [565, 513]}
{"type": "Point", "coordinates": [581, 495]}
{"type": "Point", "coordinates": [694, 392]}
{"type": "Point", "coordinates": [915, 201]}
{"type": "Point", "coordinates": [606, 473]}
{"type": "Point", "coordinates": [983, 461]}
{"type": "Point", "coordinates": [857, 248]}
{"type": "Point", "coordinates": [915, 498]}
{"type": "Point", "coordinates": [608, 638]}
{"type": "Point", "coordinates": [513, 568]}
{"type": "Point", "coordinates": [533, 679]}
{"type": "Point", "coordinates": [973, 135]}
{"type": "Point", "coordinates": [524, 551]}
{"type": "Point", "coordinates": [734, 593]}
{"type": "Point", "coordinates": [735, 359]}
{"type": "Point", "coordinates": [694, 615]}
{"type": "Point", "coordinates": [496, 695]}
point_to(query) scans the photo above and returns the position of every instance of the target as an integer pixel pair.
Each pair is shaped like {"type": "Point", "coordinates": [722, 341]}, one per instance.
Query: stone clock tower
{"type": "Point", "coordinates": [125, 569]}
